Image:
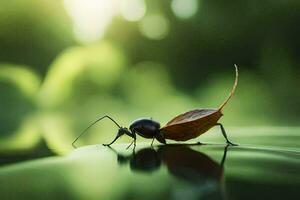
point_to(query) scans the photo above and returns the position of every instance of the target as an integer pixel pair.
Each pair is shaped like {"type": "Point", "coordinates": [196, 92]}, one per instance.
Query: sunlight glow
{"type": "Point", "coordinates": [90, 17]}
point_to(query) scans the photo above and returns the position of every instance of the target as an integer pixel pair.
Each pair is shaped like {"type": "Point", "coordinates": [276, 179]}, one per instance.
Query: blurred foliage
{"type": "Point", "coordinates": [33, 32]}
{"type": "Point", "coordinates": [155, 59]}
{"type": "Point", "coordinates": [19, 87]}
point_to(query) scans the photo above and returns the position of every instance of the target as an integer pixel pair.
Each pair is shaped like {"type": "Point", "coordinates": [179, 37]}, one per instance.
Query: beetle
{"type": "Point", "coordinates": [183, 127]}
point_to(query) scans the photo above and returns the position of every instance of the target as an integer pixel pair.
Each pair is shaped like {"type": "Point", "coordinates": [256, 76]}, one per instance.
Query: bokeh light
{"type": "Point", "coordinates": [133, 10]}
{"type": "Point", "coordinates": [185, 8]}
{"type": "Point", "coordinates": [154, 26]}
{"type": "Point", "coordinates": [90, 17]}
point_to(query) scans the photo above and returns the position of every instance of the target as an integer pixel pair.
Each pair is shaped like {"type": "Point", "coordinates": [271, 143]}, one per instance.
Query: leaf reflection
{"type": "Point", "coordinates": [199, 174]}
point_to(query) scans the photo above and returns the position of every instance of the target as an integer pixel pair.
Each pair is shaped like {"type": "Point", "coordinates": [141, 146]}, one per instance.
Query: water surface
{"type": "Point", "coordinates": [212, 171]}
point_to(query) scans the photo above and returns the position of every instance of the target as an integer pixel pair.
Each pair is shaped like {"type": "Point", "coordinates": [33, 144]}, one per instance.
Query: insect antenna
{"type": "Point", "coordinates": [84, 131]}
{"type": "Point", "coordinates": [233, 88]}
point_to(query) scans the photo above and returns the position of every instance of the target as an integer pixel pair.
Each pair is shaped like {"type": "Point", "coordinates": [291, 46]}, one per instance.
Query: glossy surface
{"type": "Point", "coordinates": [192, 171]}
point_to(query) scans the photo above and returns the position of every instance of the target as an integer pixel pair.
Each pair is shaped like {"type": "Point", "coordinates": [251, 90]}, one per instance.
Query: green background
{"type": "Point", "coordinates": [53, 83]}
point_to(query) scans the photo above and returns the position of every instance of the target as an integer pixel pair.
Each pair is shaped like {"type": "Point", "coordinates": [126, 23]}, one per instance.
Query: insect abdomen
{"type": "Point", "coordinates": [145, 127]}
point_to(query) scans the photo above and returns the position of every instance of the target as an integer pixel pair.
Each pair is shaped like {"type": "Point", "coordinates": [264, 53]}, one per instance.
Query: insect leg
{"type": "Point", "coordinates": [152, 141]}
{"type": "Point", "coordinates": [224, 155]}
{"type": "Point", "coordinates": [133, 135]}
{"type": "Point", "coordinates": [133, 141]}
{"type": "Point", "coordinates": [224, 134]}
{"type": "Point", "coordinates": [112, 141]}
{"type": "Point", "coordinates": [134, 144]}
{"type": "Point", "coordinates": [106, 116]}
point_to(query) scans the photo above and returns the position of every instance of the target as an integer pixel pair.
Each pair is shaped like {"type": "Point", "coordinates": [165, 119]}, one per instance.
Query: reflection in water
{"type": "Point", "coordinates": [167, 172]}
{"type": "Point", "coordinates": [198, 175]}
{"type": "Point", "coordinates": [145, 160]}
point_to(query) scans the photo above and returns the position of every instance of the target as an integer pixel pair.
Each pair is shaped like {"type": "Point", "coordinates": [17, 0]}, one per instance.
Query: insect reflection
{"type": "Point", "coordinates": [201, 175]}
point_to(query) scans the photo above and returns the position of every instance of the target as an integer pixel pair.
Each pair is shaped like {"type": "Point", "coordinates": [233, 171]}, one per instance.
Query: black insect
{"type": "Point", "coordinates": [146, 128]}
{"type": "Point", "coordinates": [183, 127]}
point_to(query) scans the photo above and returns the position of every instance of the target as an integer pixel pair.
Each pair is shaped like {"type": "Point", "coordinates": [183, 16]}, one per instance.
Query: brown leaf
{"type": "Point", "coordinates": [191, 124]}
{"type": "Point", "coordinates": [196, 122]}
